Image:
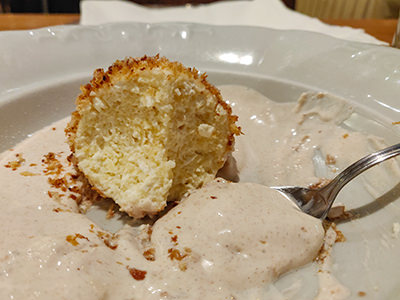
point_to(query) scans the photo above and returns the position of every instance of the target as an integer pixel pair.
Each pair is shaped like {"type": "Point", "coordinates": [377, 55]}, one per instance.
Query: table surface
{"type": "Point", "coordinates": [382, 29]}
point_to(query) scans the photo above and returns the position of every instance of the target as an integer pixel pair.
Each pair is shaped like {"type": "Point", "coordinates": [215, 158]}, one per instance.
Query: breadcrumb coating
{"type": "Point", "coordinates": [148, 130]}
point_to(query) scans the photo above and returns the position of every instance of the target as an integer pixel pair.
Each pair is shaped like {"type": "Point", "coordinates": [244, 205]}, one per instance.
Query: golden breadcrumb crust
{"type": "Point", "coordinates": [127, 68]}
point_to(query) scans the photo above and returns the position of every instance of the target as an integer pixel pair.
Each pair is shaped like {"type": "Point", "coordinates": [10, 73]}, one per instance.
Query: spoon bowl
{"type": "Point", "coordinates": [318, 202]}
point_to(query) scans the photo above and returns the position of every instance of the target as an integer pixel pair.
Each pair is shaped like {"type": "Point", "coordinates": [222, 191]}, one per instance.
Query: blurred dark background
{"type": "Point", "coordinates": [40, 6]}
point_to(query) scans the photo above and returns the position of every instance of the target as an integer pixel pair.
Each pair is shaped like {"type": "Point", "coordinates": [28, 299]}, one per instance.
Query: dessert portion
{"type": "Point", "coordinates": [148, 130]}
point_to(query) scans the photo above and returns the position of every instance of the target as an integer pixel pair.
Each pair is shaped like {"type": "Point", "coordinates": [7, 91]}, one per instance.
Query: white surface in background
{"type": "Point", "coordinates": [263, 13]}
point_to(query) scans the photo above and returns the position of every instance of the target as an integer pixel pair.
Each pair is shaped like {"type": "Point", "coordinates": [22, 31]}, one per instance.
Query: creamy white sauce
{"type": "Point", "coordinates": [240, 236]}
{"type": "Point", "coordinates": [229, 247]}
{"type": "Point", "coordinates": [287, 143]}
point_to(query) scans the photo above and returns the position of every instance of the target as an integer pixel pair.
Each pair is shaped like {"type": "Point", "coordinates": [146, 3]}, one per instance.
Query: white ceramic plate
{"type": "Point", "coordinates": [41, 70]}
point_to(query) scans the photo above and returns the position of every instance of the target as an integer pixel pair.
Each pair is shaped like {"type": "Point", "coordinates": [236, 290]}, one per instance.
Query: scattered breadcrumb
{"type": "Point", "coordinates": [73, 238]}
{"type": "Point", "coordinates": [320, 184]}
{"type": "Point", "coordinates": [175, 254]}
{"type": "Point", "coordinates": [137, 274]}
{"type": "Point", "coordinates": [111, 211]}
{"type": "Point", "coordinates": [27, 173]}
{"type": "Point", "coordinates": [52, 165]}
{"type": "Point", "coordinates": [330, 160]}
{"type": "Point", "coordinates": [149, 254]}
{"type": "Point", "coordinates": [339, 213]}
{"type": "Point", "coordinates": [15, 164]}
{"type": "Point", "coordinates": [108, 239]}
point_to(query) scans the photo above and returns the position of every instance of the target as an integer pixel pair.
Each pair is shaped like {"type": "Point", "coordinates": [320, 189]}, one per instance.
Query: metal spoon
{"type": "Point", "coordinates": [318, 202]}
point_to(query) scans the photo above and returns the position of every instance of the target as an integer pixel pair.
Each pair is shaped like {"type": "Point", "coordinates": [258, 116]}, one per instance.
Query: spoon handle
{"type": "Point", "coordinates": [331, 190]}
